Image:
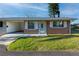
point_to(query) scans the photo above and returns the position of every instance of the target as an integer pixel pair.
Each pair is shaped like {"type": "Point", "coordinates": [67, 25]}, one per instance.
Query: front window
{"type": "Point", "coordinates": [1, 24]}
{"type": "Point", "coordinates": [30, 25]}
{"type": "Point", "coordinates": [58, 24]}
{"type": "Point", "coordinates": [41, 25]}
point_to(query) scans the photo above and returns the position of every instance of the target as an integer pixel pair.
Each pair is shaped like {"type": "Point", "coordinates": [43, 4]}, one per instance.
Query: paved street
{"type": "Point", "coordinates": [39, 53]}
{"type": "Point", "coordinates": [3, 52]}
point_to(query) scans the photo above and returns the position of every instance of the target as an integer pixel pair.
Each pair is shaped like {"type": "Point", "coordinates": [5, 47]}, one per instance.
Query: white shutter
{"type": "Point", "coordinates": [26, 25]}
{"type": "Point", "coordinates": [65, 24]}
{"type": "Point", "coordinates": [36, 25]}
{"type": "Point", "coordinates": [51, 24]}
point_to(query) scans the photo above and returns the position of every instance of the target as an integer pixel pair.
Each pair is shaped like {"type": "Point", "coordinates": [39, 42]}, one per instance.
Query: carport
{"type": "Point", "coordinates": [14, 26]}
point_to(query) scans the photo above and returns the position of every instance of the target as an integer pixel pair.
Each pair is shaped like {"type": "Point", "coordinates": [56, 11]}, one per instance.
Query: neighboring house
{"type": "Point", "coordinates": [75, 26]}
{"type": "Point", "coordinates": [35, 25]}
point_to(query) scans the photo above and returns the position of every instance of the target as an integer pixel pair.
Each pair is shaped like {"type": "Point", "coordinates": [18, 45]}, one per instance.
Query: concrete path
{"type": "Point", "coordinates": [22, 35]}
{"type": "Point", "coordinates": [6, 41]}
{"type": "Point", "coordinates": [8, 38]}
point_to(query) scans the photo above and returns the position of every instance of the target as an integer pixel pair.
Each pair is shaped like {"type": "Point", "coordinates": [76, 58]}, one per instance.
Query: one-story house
{"type": "Point", "coordinates": [35, 25]}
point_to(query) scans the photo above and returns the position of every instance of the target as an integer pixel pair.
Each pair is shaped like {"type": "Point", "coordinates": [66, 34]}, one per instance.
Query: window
{"type": "Point", "coordinates": [1, 24]}
{"type": "Point", "coordinates": [41, 25]}
{"type": "Point", "coordinates": [30, 25]}
{"type": "Point", "coordinates": [58, 24]}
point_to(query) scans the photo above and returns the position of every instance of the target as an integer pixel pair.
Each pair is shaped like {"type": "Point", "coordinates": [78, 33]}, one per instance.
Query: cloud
{"type": "Point", "coordinates": [69, 10]}
{"type": "Point", "coordinates": [27, 5]}
{"type": "Point", "coordinates": [36, 7]}
{"type": "Point", "coordinates": [21, 9]}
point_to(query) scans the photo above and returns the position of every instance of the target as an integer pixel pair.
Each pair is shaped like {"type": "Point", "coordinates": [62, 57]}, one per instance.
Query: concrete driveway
{"type": "Point", "coordinates": [6, 40]}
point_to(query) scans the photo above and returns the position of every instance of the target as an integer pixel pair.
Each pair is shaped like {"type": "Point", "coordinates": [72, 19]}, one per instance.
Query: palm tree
{"type": "Point", "coordinates": [54, 10]}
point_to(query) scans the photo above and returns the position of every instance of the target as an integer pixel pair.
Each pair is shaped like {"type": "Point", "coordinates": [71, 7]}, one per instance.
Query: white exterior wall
{"type": "Point", "coordinates": [14, 26]}
{"type": "Point", "coordinates": [36, 25]}
{"type": "Point", "coordinates": [26, 25]}
{"type": "Point", "coordinates": [11, 26]}
{"type": "Point", "coordinates": [51, 24]}
{"type": "Point", "coordinates": [22, 26]}
{"type": "Point", "coordinates": [65, 23]}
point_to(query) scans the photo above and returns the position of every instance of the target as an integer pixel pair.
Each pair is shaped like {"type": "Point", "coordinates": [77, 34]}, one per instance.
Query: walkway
{"type": "Point", "coordinates": [22, 35]}
{"type": "Point", "coordinates": [8, 38]}
{"type": "Point", "coordinates": [6, 41]}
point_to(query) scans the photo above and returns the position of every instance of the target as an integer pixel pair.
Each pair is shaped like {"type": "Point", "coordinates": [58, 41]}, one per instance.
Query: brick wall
{"type": "Point", "coordinates": [50, 30]}
{"type": "Point", "coordinates": [58, 30]}
{"type": "Point", "coordinates": [35, 31]}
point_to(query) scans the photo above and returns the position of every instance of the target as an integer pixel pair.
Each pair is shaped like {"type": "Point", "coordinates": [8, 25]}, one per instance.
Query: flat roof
{"type": "Point", "coordinates": [34, 18]}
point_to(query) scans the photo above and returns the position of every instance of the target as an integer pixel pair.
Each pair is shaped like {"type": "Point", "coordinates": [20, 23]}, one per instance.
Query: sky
{"type": "Point", "coordinates": [37, 10]}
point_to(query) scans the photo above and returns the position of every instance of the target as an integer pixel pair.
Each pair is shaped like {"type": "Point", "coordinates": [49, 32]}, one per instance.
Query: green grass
{"type": "Point", "coordinates": [49, 43]}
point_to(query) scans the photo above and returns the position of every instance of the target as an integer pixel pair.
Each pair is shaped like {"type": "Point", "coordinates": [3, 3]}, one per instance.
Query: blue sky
{"type": "Point", "coordinates": [17, 10]}
{"type": "Point", "coordinates": [37, 10]}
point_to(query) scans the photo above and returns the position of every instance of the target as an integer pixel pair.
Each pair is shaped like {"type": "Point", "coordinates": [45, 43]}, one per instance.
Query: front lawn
{"type": "Point", "coordinates": [49, 43]}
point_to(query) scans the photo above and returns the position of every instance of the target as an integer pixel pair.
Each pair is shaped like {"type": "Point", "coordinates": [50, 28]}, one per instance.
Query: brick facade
{"type": "Point", "coordinates": [34, 31]}
{"type": "Point", "coordinates": [58, 30]}
{"type": "Point", "coordinates": [51, 30]}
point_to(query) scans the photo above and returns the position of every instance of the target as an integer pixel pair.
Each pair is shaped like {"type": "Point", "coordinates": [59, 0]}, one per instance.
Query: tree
{"type": "Point", "coordinates": [54, 10]}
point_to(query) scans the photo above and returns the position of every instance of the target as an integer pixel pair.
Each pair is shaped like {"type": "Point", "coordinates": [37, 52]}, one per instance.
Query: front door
{"type": "Point", "coordinates": [42, 28]}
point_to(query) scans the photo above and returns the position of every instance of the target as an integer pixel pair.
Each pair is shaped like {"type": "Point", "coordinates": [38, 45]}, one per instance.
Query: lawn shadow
{"type": "Point", "coordinates": [59, 38]}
